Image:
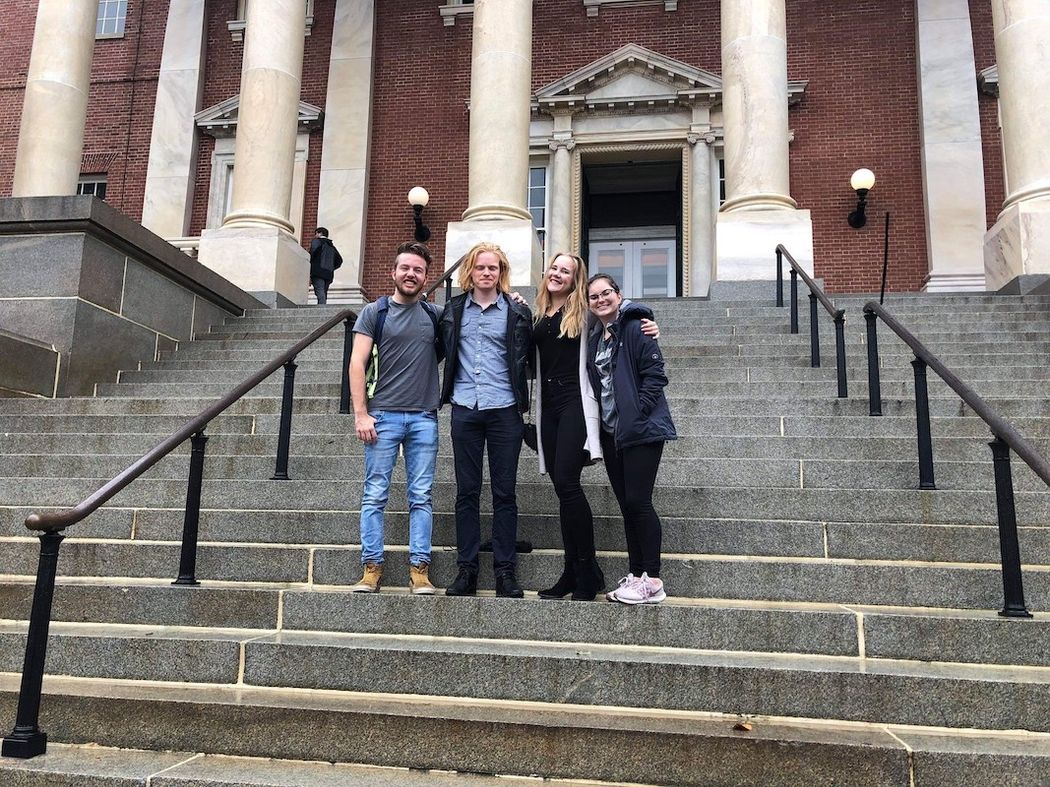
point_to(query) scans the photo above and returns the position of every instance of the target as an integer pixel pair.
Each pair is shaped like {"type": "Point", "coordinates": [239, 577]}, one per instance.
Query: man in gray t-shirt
{"type": "Point", "coordinates": [401, 413]}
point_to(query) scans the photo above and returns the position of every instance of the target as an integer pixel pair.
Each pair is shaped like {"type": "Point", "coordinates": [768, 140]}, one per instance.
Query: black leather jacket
{"type": "Point", "coordinates": [519, 347]}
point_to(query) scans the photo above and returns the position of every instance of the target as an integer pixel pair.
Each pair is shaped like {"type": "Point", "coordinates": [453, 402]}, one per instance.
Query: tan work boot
{"type": "Point", "coordinates": [372, 579]}
{"type": "Point", "coordinates": [419, 581]}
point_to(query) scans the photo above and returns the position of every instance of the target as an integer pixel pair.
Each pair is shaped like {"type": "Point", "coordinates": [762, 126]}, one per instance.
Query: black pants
{"type": "Point", "coordinates": [321, 290]}
{"type": "Point", "coordinates": [564, 432]}
{"type": "Point", "coordinates": [501, 429]}
{"type": "Point", "coordinates": [632, 473]}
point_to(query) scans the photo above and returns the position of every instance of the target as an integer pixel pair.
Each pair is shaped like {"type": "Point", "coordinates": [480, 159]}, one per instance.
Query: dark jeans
{"type": "Point", "coordinates": [320, 290]}
{"type": "Point", "coordinates": [471, 430]}
{"type": "Point", "coordinates": [564, 432]}
{"type": "Point", "coordinates": [632, 473]}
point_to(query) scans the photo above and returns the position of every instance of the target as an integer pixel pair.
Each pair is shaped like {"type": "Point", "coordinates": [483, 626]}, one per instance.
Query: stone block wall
{"type": "Point", "coordinates": [104, 291]}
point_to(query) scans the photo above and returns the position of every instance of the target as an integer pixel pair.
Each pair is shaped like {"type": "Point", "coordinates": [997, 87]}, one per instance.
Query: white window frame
{"type": "Point", "coordinates": [453, 9]}
{"type": "Point", "coordinates": [541, 230]}
{"type": "Point", "coordinates": [105, 17]}
{"type": "Point", "coordinates": [87, 185]}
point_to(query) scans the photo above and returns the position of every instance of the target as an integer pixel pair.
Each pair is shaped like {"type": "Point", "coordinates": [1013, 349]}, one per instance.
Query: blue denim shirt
{"type": "Point", "coordinates": [483, 376]}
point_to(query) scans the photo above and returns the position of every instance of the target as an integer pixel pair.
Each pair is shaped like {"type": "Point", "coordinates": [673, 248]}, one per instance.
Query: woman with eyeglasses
{"type": "Point", "coordinates": [568, 416]}
{"type": "Point", "coordinates": [626, 370]}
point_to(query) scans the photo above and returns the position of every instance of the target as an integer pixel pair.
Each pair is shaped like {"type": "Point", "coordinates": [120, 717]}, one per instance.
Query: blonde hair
{"type": "Point", "coordinates": [574, 313]}
{"type": "Point", "coordinates": [466, 270]}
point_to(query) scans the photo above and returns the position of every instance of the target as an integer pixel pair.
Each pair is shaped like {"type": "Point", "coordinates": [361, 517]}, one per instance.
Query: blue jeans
{"type": "Point", "coordinates": [417, 432]}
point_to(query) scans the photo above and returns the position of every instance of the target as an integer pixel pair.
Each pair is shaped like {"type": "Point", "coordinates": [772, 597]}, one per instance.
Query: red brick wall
{"type": "Point", "coordinates": [120, 104]}
{"type": "Point", "coordinates": [991, 139]}
{"type": "Point", "coordinates": [860, 109]}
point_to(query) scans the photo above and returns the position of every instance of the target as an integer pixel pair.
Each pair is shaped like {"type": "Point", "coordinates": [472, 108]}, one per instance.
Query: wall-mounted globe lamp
{"type": "Point", "coordinates": [418, 199]}
{"type": "Point", "coordinates": [861, 182]}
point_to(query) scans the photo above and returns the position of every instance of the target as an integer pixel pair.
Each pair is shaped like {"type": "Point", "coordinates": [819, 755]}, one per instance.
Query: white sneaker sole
{"type": "Point", "coordinates": [423, 591]}
{"type": "Point", "coordinates": [359, 589]}
{"type": "Point", "coordinates": [635, 601]}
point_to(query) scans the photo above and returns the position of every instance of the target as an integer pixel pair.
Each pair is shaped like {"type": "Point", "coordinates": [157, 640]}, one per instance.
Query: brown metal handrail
{"type": "Point", "coordinates": [1006, 438]}
{"type": "Point", "coordinates": [816, 294]}
{"type": "Point", "coordinates": [26, 739]}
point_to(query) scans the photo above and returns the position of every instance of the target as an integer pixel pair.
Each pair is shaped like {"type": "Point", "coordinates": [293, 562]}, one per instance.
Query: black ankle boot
{"type": "Point", "coordinates": [466, 584]}
{"type": "Point", "coordinates": [590, 581]}
{"type": "Point", "coordinates": [566, 583]}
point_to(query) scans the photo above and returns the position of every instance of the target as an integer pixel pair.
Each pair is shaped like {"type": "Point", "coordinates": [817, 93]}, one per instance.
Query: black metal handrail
{"type": "Point", "coordinates": [27, 740]}
{"type": "Point", "coordinates": [815, 294]}
{"type": "Point", "coordinates": [446, 279]}
{"type": "Point", "coordinates": [1006, 438]}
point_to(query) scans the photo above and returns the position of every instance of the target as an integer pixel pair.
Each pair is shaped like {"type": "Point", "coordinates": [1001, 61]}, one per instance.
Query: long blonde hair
{"type": "Point", "coordinates": [574, 313]}
{"type": "Point", "coordinates": [466, 270]}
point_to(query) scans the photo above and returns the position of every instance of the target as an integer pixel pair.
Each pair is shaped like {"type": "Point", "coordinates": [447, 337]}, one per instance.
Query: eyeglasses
{"type": "Point", "coordinates": [599, 295]}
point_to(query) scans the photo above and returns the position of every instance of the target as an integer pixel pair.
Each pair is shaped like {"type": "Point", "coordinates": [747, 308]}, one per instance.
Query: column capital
{"type": "Point", "coordinates": [557, 143]}
{"type": "Point", "coordinates": [695, 137]}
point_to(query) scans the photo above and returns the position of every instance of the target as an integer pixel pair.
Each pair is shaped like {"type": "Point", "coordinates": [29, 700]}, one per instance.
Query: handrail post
{"type": "Point", "coordinates": [1009, 551]}
{"type": "Point", "coordinates": [191, 519]}
{"type": "Point", "coordinates": [840, 352]}
{"type": "Point", "coordinates": [922, 425]}
{"type": "Point", "coordinates": [814, 335]}
{"type": "Point", "coordinates": [344, 386]}
{"type": "Point", "coordinates": [874, 384]}
{"type": "Point", "coordinates": [794, 300]}
{"type": "Point", "coordinates": [448, 288]}
{"type": "Point", "coordinates": [26, 739]}
{"type": "Point", "coordinates": [780, 278]}
{"type": "Point", "coordinates": [284, 438]}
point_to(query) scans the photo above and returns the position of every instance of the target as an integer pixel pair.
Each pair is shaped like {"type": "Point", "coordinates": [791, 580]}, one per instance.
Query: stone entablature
{"type": "Point", "coordinates": [220, 120]}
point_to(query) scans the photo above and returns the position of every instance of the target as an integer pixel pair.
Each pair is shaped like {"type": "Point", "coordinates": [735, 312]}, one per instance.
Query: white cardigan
{"type": "Point", "coordinates": [591, 413]}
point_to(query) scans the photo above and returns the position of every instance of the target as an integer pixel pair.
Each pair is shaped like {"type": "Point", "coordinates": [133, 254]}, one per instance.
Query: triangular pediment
{"type": "Point", "coordinates": [634, 77]}
{"type": "Point", "coordinates": [630, 76]}
{"type": "Point", "coordinates": [220, 120]}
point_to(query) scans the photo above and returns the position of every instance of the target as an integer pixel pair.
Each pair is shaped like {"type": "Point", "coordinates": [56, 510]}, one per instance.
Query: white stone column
{"type": "Point", "coordinates": [172, 163]}
{"type": "Point", "coordinates": [701, 226]}
{"type": "Point", "coordinates": [755, 105]}
{"type": "Point", "coordinates": [758, 212]}
{"type": "Point", "coordinates": [51, 136]}
{"type": "Point", "coordinates": [500, 93]}
{"type": "Point", "coordinates": [342, 201]}
{"type": "Point", "coordinates": [254, 247]}
{"type": "Point", "coordinates": [952, 156]}
{"type": "Point", "coordinates": [559, 223]}
{"type": "Point", "coordinates": [1019, 243]}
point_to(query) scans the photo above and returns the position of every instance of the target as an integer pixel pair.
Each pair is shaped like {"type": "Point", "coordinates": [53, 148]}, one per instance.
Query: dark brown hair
{"type": "Point", "coordinates": [413, 247]}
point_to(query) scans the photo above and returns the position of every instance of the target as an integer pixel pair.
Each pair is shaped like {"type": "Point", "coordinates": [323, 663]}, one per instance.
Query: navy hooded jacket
{"type": "Point", "coordinates": [638, 379]}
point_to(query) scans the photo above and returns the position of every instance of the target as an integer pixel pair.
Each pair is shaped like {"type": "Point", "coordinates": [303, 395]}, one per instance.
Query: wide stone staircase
{"type": "Point", "coordinates": [827, 621]}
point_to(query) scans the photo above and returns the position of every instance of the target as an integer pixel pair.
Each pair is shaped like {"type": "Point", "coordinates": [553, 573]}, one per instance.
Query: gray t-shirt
{"type": "Point", "coordinates": [408, 373]}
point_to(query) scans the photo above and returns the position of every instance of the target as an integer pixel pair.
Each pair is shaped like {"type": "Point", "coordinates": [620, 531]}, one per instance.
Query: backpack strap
{"type": "Point", "coordinates": [372, 372]}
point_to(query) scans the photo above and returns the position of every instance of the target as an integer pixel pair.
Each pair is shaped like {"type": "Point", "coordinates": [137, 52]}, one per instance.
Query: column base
{"type": "Point", "coordinates": [265, 261]}
{"type": "Point", "coordinates": [517, 238]}
{"type": "Point", "coordinates": [1018, 244]}
{"type": "Point", "coordinates": [746, 243]}
{"type": "Point", "coordinates": [955, 282]}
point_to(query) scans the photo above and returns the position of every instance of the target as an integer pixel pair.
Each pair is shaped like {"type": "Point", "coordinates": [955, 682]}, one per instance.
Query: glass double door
{"type": "Point", "coordinates": [643, 268]}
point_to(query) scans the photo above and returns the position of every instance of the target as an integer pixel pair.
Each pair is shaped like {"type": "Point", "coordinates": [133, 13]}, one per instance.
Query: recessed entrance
{"type": "Point", "coordinates": [632, 223]}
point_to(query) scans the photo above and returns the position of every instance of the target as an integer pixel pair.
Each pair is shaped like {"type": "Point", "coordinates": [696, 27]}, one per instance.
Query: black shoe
{"type": "Point", "coordinates": [564, 586]}
{"type": "Point", "coordinates": [590, 581]}
{"type": "Point", "coordinates": [507, 586]}
{"type": "Point", "coordinates": [466, 584]}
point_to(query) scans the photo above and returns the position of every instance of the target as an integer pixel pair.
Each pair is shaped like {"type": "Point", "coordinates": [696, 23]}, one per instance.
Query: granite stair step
{"type": "Point", "coordinates": [562, 741]}
{"type": "Point", "coordinates": [825, 580]}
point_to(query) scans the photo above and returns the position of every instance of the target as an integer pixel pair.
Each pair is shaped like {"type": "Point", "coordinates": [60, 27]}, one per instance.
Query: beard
{"type": "Point", "coordinates": [400, 288]}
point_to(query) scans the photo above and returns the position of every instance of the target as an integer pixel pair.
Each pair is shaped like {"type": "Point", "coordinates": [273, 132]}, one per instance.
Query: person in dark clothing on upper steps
{"type": "Point", "coordinates": [325, 260]}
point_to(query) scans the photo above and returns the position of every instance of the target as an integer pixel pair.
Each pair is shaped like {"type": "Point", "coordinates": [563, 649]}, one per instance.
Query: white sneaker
{"type": "Point", "coordinates": [626, 581]}
{"type": "Point", "coordinates": [644, 590]}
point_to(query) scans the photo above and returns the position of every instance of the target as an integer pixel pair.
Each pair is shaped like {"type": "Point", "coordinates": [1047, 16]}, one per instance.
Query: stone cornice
{"type": "Point", "coordinates": [988, 80]}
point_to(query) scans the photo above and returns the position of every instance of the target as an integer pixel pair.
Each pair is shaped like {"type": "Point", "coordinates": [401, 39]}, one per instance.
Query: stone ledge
{"type": "Point", "coordinates": [92, 216]}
